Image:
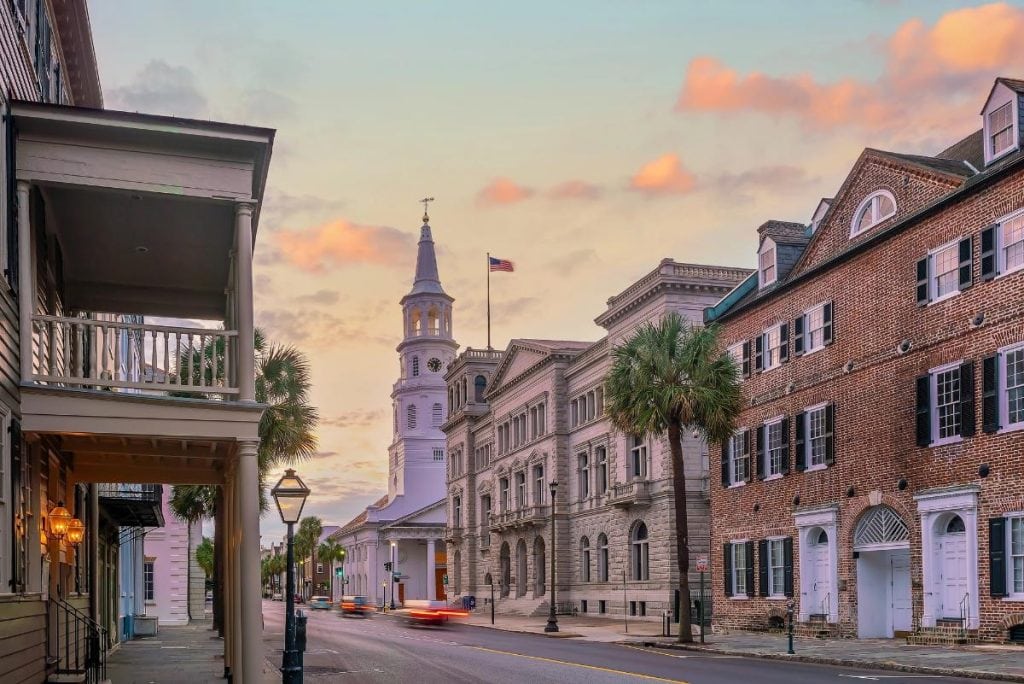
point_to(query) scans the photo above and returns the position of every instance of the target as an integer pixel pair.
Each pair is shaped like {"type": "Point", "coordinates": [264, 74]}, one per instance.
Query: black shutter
{"type": "Point", "coordinates": [17, 581]}
{"type": "Point", "coordinates": [785, 447]}
{"type": "Point", "coordinates": [997, 556]}
{"type": "Point", "coordinates": [988, 252]}
{"type": "Point", "coordinates": [967, 422]}
{"type": "Point", "coordinates": [830, 434]}
{"type": "Point", "coordinates": [922, 281]}
{"type": "Point", "coordinates": [727, 568]}
{"type": "Point", "coordinates": [759, 464]}
{"type": "Point", "coordinates": [924, 410]}
{"type": "Point", "coordinates": [750, 568]}
{"type": "Point", "coordinates": [784, 342]}
{"type": "Point", "coordinates": [746, 452]}
{"type": "Point", "coordinates": [990, 394]}
{"type": "Point", "coordinates": [759, 353]}
{"type": "Point", "coordinates": [966, 264]}
{"type": "Point", "coordinates": [826, 331]}
{"type": "Point", "coordinates": [746, 358]}
{"type": "Point", "coordinates": [11, 268]}
{"type": "Point", "coordinates": [787, 565]}
{"type": "Point", "coordinates": [798, 335]}
{"type": "Point", "coordinates": [762, 564]}
{"type": "Point", "coordinates": [801, 451]}
{"type": "Point", "coordinates": [725, 462]}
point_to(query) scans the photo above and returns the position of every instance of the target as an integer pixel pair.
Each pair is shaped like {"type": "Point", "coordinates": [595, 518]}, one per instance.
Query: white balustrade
{"type": "Point", "coordinates": [86, 352]}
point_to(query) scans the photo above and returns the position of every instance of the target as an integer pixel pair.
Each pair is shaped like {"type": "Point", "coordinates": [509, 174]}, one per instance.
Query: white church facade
{"type": "Point", "coordinates": [406, 526]}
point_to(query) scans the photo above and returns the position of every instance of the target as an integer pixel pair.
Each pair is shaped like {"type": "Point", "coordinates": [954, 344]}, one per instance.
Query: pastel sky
{"type": "Point", "coordinates": [584, 140]}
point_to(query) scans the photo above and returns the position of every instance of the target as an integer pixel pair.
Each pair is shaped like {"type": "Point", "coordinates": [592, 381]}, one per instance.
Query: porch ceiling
{"type": "Point", "coordinates": [141, 460]}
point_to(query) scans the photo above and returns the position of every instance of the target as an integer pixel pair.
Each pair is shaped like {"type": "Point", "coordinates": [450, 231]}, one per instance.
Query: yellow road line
{"type": "Point", "coordinates": [651, 678]}
{"type": "Point", "coordinates": [653, 650]}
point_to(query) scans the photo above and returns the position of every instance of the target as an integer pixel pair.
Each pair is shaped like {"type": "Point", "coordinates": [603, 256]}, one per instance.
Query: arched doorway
{"type": "Point", "coordinates": [819, 573]}
{"type": "Point", "coordinates": [539, 567]}
{"type": "Point", "coordinates": [881, 541]}
{"type": "Point", "coordinates": [950, 555]}
{"type": "Point", "coordinates": [521, 569]}
{"type": "Point", "coordinates": [505, 567]}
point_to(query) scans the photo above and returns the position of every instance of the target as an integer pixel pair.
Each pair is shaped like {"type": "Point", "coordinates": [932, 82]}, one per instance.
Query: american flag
{"type": "Point", "coordinates": [501, 264]}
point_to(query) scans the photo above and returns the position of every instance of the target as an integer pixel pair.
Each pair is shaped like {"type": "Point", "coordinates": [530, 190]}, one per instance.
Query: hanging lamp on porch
{"type": "Point", "coordinates": [75, 531]}
{"type": "Point", "coordinates": [58, 520]}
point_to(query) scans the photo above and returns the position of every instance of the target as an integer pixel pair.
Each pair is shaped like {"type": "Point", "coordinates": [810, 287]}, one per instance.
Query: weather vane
{"type": "Point", "coordinates": [426, 201]}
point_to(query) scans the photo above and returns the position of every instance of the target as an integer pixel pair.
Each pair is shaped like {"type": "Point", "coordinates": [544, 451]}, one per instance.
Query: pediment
{"type": "Point", "coordinates": [434, 514]}
{"type": "Point", "coordinates": [518, 359]}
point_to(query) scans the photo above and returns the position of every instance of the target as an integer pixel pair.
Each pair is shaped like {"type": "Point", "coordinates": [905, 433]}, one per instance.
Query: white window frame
{"type": "Point", "coordinates": [1004, 390]}
{"type": "Point", "coordinates": [521, 495]}
{"type": "Point", "coordinates": [736, 575]}
{"type": "Point", "coordinates": [990, 155]}
{"type": "Point", "coordinates": [808, 454]}
{"type": "Point", "coordinates": [637, 456]}
{"type": "Point", "coordinates": [640, 555]}
{"type": "Point", "coordinates": [870, 203]}
{"type": "Point", "coordinates": [933, 276]}
{"type": "Point", "coordinates": [767, 465]}
{"type": "Point", "coordinates": [765, 346]}
{"type": "Point", "coordinates": [540, 485]}
{"type": "Point", "coordinates": [505, 494]}
{"type": "Point", "coordinates": [1000, 245]}
{"type": "Point", "coordinates": [767, 246]}
{"type": "Point", "coordinates": [734, 458]}
{"type": "Point", "coordinates": [775, 592]}
{"type": "Point", "coordinates": [1012, 595]}
{"type": "Point", "coordinates": [933, 380]}
{"type": "Point", "coordinates": [736, 352]}
{"type": "Point", "coordinates": [457, 511]}
{"type": "Point", "coordinates": [808, 348]}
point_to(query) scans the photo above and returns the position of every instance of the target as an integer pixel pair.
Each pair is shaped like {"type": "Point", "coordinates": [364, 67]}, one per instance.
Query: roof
{"type": "Point", "coordinates": [555, 345]}
{"type": "Point", "coordinates": [784, 232]}
{"type": "Point", "coordinates": [953, 167]}
{"type": "Point", "coordinates": [427, 279]}
{"type": "Point", "coordinates": [360, 519]}
{"type": "Point", "coordinates": [1014, 84]}
{"type": "Point", "coordinates": [970, 149]}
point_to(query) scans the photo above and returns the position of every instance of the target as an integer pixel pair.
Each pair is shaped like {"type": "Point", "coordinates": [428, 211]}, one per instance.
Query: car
{"type": "Point", "coordinates": [320, 602]}
{"type": "Point", "coordinates": [431, 612]}
{"type": "Point", "coordinates": [278, 596]}
{"type": "Point", "coordinates": [355, 605]}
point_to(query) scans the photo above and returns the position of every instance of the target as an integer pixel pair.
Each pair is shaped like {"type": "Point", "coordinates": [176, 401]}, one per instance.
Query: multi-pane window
{"type": "Point", "coordinates": [601, 458]}
{"type": "Point", "coordinates": [640, 553]}
{"type": "Point", "coordinates": [1011, 244]}
{"type": "Point", "coordinates": [1013, 361]}
{"type": "Point", "coordinates": [147, 580]}
{"type": "Point", "coordinates": [415, 366]}
{"type": "Point", "coordinates": [814, 326]}
{"type": "Point", "coordinates": [638, 458]}
{"type": "Point", "coordinates": [817, 438]}
{"type": "Point", "coordinates": [767, 270]}
{"type": "Point", "coordinates": [740, 563]}
{"type": "Point", "coordinates": [873, 210]}
{"type": "Point", "coordinates": [438, 454]}
{"type": "Point", "coordinates": [539, 486]}
{"type": "Point", "coordinates": [774, 448]}
{"type": "Point", "coordinates": [485, 511]}
{"type": "Point", "coordinates": [602, 558]}
{"type": "Point", "coordinates": [520, 489]}
{"type": "Point", "coordinates": [945, 266]}
{"type": "Point", "coordinates": [584, 475]}
{"type": "Point", "coordinates": [1000, 129]}
{"type": "Point", "coordinates": [776, 567]}
{"type": "Point", "coordinates": [504, 493]}
{"type": "Point", "coordinates": [772, 347]}
{"type": "Point", "coordinates": [946, 412]}
{"type": "Point", "coordinates": [457, 511]}
{"type": "Point", "coordinates": [738, 459]}
{"type": "Point", "coordinates": [585, 559]}
{"type": "Point", "coordinates": [1016, 558]}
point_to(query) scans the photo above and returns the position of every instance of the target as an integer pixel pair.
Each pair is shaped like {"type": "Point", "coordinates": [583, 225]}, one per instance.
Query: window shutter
{"type": "Point", "coordinates": [785, 446]}
{"type": "Point", "coordinates": [759, 464]}
{"type": "Point", "coordinates": [727, 568]}
{"type": "Point", "coordinates": [988, 252]}
{"type": "Point", "coordinates": [830, 434]}
{"type": "Point", "coordinates": [990, 394]}
{"type": "Point", "coordinates": [787, 565]}
{"type": "Point", "coordinates": [750, 568]}
{"type": "Point", "coordinates": [798, 335]}
{"type": "Point", "coordinates": [784, 342]}
{"type": "Point", "coordinates": [759, 353]}
{"type": "Point", "coordinates": [967, 421]}
{"type": "Point", "coordinates": [826, 331]}
{"type": "Point", "coordinates": [924, 410]}
{"type": "Point", "coordinates": [966, 264]}
{"type": "Point", "coordinates": [746, 359]}
{"type": "Point", "coordinates": [725, 463]}
{"type": "Point", "coordinates": [15, 440]}
{"type": "Point", "coordinates": [762, 565]}
{"type": "Point", "coordinates": [801, 451]}
{"type": "Point", "coordinates": [11, 268]}
{"type": "Point", "coordinates": [922, 281]}
{"type": "Point", "coordinates": [746, 451]}
{"type": "Point", "coordinates": [997, 556]}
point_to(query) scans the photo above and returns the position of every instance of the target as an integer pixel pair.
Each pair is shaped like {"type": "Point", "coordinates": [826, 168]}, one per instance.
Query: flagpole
{"type": "Point", "coordinates": [488, 300]}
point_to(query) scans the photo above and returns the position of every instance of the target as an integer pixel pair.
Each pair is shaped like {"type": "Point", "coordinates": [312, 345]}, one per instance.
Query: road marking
{"type": "Point", "coordinates": [875, 678]}
{"type": "Point", "coordinates": [651, 678]}
{"type": "Point", "coordinates": [653, 650]}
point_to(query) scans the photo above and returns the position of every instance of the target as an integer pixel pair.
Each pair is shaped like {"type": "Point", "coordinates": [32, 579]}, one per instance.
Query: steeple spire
{"type": "Point", "coordinates": [427, 279]}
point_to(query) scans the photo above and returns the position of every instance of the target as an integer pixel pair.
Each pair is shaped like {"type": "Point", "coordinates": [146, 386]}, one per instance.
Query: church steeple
{"type": "Point", "coordinates": [427, 279]}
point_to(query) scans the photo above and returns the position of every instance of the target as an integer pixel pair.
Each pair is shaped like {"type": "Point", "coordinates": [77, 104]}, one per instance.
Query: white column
{"type": "Point", "coordinates": [227, 576]}
{"type": "Point", "coordinates": [243, 294]}
{"type": "Point", "coordinates": [26, 280]}
{"type": "Point", "coordinates": [247, 491]}
{"type": "Point", "coordinates": [431, 571]}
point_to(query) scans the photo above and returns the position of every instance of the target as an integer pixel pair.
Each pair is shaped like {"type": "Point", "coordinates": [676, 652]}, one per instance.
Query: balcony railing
{"type": "Point", "coordinates": [635, 493]}
{"type": "Point", "coordinates": [132, 505]}
{"type": "Point", "coordinates": [85, 352]}
{"type": "Point", "coordinates": [520, 517]}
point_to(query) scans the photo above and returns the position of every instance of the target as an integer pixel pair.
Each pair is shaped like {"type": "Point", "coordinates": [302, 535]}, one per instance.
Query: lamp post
{"type": "Point", "coordinates": [394, 569]}
{"type": "Point", "coordinates": [290, 494]}
{"type": "Point", "coordinates": [552, 625]}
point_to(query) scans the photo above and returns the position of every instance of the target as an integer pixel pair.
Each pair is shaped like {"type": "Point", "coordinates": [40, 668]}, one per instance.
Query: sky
{"type": "Point", "coordinates": [583, 140]}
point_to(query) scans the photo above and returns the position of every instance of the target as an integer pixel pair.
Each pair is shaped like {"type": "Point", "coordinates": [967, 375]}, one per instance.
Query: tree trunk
{"type": "Point", "coordinates": [218, 561]}
{"type": "Point", "coordinates": [682, 530]}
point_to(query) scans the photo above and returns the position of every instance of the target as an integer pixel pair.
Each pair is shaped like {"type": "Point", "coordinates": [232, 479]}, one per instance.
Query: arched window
{"type": "Point", "coordinates": [584, 559]}
{"type": "Point", "coordinates": [437, 415]}
{"type": "Point", "coordinates": [415, 322]}
{"type": "Point", "coordinates": [602, 558]}
{"type": "Point", "coordinates": [539, 567]}
{"type": "Point", "coordinates": [433, 322]}
{"type": "Point", "coordinates": [955, 525]}
{"type": "Point", "coordinates": [874, 209]}
{"type": "Point", "coordinates": [415, 366]}
{"type": "Point", "coordinates": [640, 555]}
{"type": "Point", "coordinates": [410, 416]}
{"type": "Point", "coordinates": [479, 385]}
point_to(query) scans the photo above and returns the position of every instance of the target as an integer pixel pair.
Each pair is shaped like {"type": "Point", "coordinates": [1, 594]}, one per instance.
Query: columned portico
{"type": "Point", "coordinates": [431, 571]}
{"type": "Point", "coordinates": [949, 554]}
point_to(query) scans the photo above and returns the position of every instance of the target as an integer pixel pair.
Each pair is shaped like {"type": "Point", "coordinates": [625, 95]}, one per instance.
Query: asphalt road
{"type": "Point", "coordinates": [385, 649]}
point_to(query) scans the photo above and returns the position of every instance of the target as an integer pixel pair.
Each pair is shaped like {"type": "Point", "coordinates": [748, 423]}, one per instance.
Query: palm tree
{"type": "Point", "coordinates": [668, 377]}
{"type": "Point", "coordinates": [330, 551]}
{"type": "Point", "coordinates": [278, 565]}
{"type": "Point", "coordinates": [204, 556]}
{"type": "Point", "coordinates": [306, 539]}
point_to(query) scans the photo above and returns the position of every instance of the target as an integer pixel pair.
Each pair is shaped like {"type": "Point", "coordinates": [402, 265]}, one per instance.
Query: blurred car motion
{"type": "Point", "coordinates": [355, 605]}
{"type": "Point", "coordinates": [320, 602]}
{"type": "Point", "coordinates": [431, 612]}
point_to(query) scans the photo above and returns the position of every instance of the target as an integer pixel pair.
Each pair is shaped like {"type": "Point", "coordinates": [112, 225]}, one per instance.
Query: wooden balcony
{"type": "Point", "coordinates": [628, 494]}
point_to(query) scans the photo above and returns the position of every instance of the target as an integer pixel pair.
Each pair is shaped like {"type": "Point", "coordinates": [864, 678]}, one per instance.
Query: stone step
{"type": "Point", "coordinates": [943, 635]}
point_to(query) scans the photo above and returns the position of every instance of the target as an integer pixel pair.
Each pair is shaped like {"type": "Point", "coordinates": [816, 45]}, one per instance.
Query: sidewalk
{"type": "Point", "coordinates": [579, 627]}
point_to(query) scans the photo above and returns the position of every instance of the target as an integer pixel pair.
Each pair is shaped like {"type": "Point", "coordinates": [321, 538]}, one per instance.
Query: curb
{"type": "Point", "coordinates": [849, 662]}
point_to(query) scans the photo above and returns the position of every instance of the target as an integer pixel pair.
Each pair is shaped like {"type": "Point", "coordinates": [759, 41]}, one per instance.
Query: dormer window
{"type": "Point", "coordinates": [1001, 119]}
{"type": "Point", "coordinates": [876, 207]}
{"type": "Point", "coordinates": [767, 270]}
{"type": "Point", "coordinates": [1000, 129]}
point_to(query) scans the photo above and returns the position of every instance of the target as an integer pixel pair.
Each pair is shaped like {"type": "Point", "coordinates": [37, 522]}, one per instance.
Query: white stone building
{"type": "Point", "coordinates": [534, 413]}
{"type": "Point", "coordinates": [406, 526]}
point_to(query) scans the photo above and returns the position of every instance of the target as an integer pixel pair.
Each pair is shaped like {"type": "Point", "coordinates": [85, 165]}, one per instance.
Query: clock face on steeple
{"type": "Point", "coordinates": [434, 365]}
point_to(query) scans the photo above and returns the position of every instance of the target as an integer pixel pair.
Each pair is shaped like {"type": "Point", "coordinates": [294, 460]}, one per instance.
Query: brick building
{"type": "Point", "coordinates": [877, 478]}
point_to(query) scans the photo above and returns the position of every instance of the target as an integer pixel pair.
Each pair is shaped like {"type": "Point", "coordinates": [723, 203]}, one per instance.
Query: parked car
{"type": "Point", "coordinates": [355, 605]}
{"type": "Point", "coordinates": [278, 596]}
{"type": "Point", "coordinates": [320, 602]}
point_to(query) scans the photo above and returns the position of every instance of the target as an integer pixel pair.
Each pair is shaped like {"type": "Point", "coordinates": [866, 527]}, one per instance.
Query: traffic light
{"type": "Point", "coordinates": [387, 565]}
{"type": "Point", "coordinates": [339, 571]}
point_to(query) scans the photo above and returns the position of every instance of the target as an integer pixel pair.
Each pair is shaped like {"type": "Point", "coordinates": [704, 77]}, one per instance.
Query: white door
{"type": "Point", "coordinates": [821, 589]}
{"type": "Point", "coordinates": [952, 567]}
{"type": "Point", "coordinates": [902, 606]}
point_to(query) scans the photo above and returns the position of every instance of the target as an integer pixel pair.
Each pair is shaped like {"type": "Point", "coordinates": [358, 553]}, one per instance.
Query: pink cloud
{"type": "Point", "coordinates": [574, 189]}
{"type": "Point", "coordinates": [665, 175]}
{"type": "Point", "coordinates": [503, 191]}
{"type": "Point", "coordinates": [341, 243]}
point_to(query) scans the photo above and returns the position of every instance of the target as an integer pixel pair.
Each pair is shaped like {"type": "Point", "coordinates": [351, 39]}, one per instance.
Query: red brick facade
{"type": "Point", "coordinates": [871, 383]}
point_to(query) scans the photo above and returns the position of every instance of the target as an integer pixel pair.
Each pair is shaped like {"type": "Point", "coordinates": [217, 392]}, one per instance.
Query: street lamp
{"type": "Point", "coordinates": [290, 494]}
{"type": "Point", "coordinates": [552, 625]}
{"type": "Point", "coordinates": [394, 569]}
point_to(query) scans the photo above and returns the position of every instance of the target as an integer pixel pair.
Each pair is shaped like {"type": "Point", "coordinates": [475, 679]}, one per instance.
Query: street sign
{"type": "Point", "coordinates": [702, 564]}
{"type": "Point", "coordinates": [445, 580]}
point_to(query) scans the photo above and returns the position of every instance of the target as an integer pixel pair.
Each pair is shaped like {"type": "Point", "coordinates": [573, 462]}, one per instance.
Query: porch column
{"type": "Point", "coordinates": [227, 579]}
{"type": "Point", "coordinates": [247, 491]}
{"type": "Point", "coordinates": [431, 571]}
{"type": "Point", "coordinates": [94, 552]}
{"type": "Point", "coordinates": [243, 298]}
{"type": "Point", "coordinates": [237, 646]}
{"type": "Point", "coordinates": [26, 281]}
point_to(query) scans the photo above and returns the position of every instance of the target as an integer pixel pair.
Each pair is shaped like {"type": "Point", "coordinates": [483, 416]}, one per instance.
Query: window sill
{"type": "Point", "coordinates": [1003, 274]}
{"type": "Point", "coordinates": [777, 597]}
{"type": "Point", "coordinates": [1016, 427]}
{"type": "Point", "coordinates": [741, 597]}
{"type": "Point", "coordinates": [812, 351]}
{"type": "Point", "coordinates": [1000, 155]}
{"type": "Point", "coordinates": [946, 441]}
{"type": "Point", "coordinates": [1014, 598]}
{"type": "Point", "coordinates": [776, 476]}
{"type": "Point", "coordinates": [816, 468]}
{"type": "Point", "coordinates": [945, 297]}
{"type": "Point", "coordinates": [737, 485]}
{"type": "Point", "coordinates": [769, 368]}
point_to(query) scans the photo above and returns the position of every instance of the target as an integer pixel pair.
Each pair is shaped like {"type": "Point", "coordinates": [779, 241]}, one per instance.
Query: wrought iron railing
{"type": "Point", "coordinates": [135, 492]}
{"type": "Point", "coordinates": [76, 644]}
